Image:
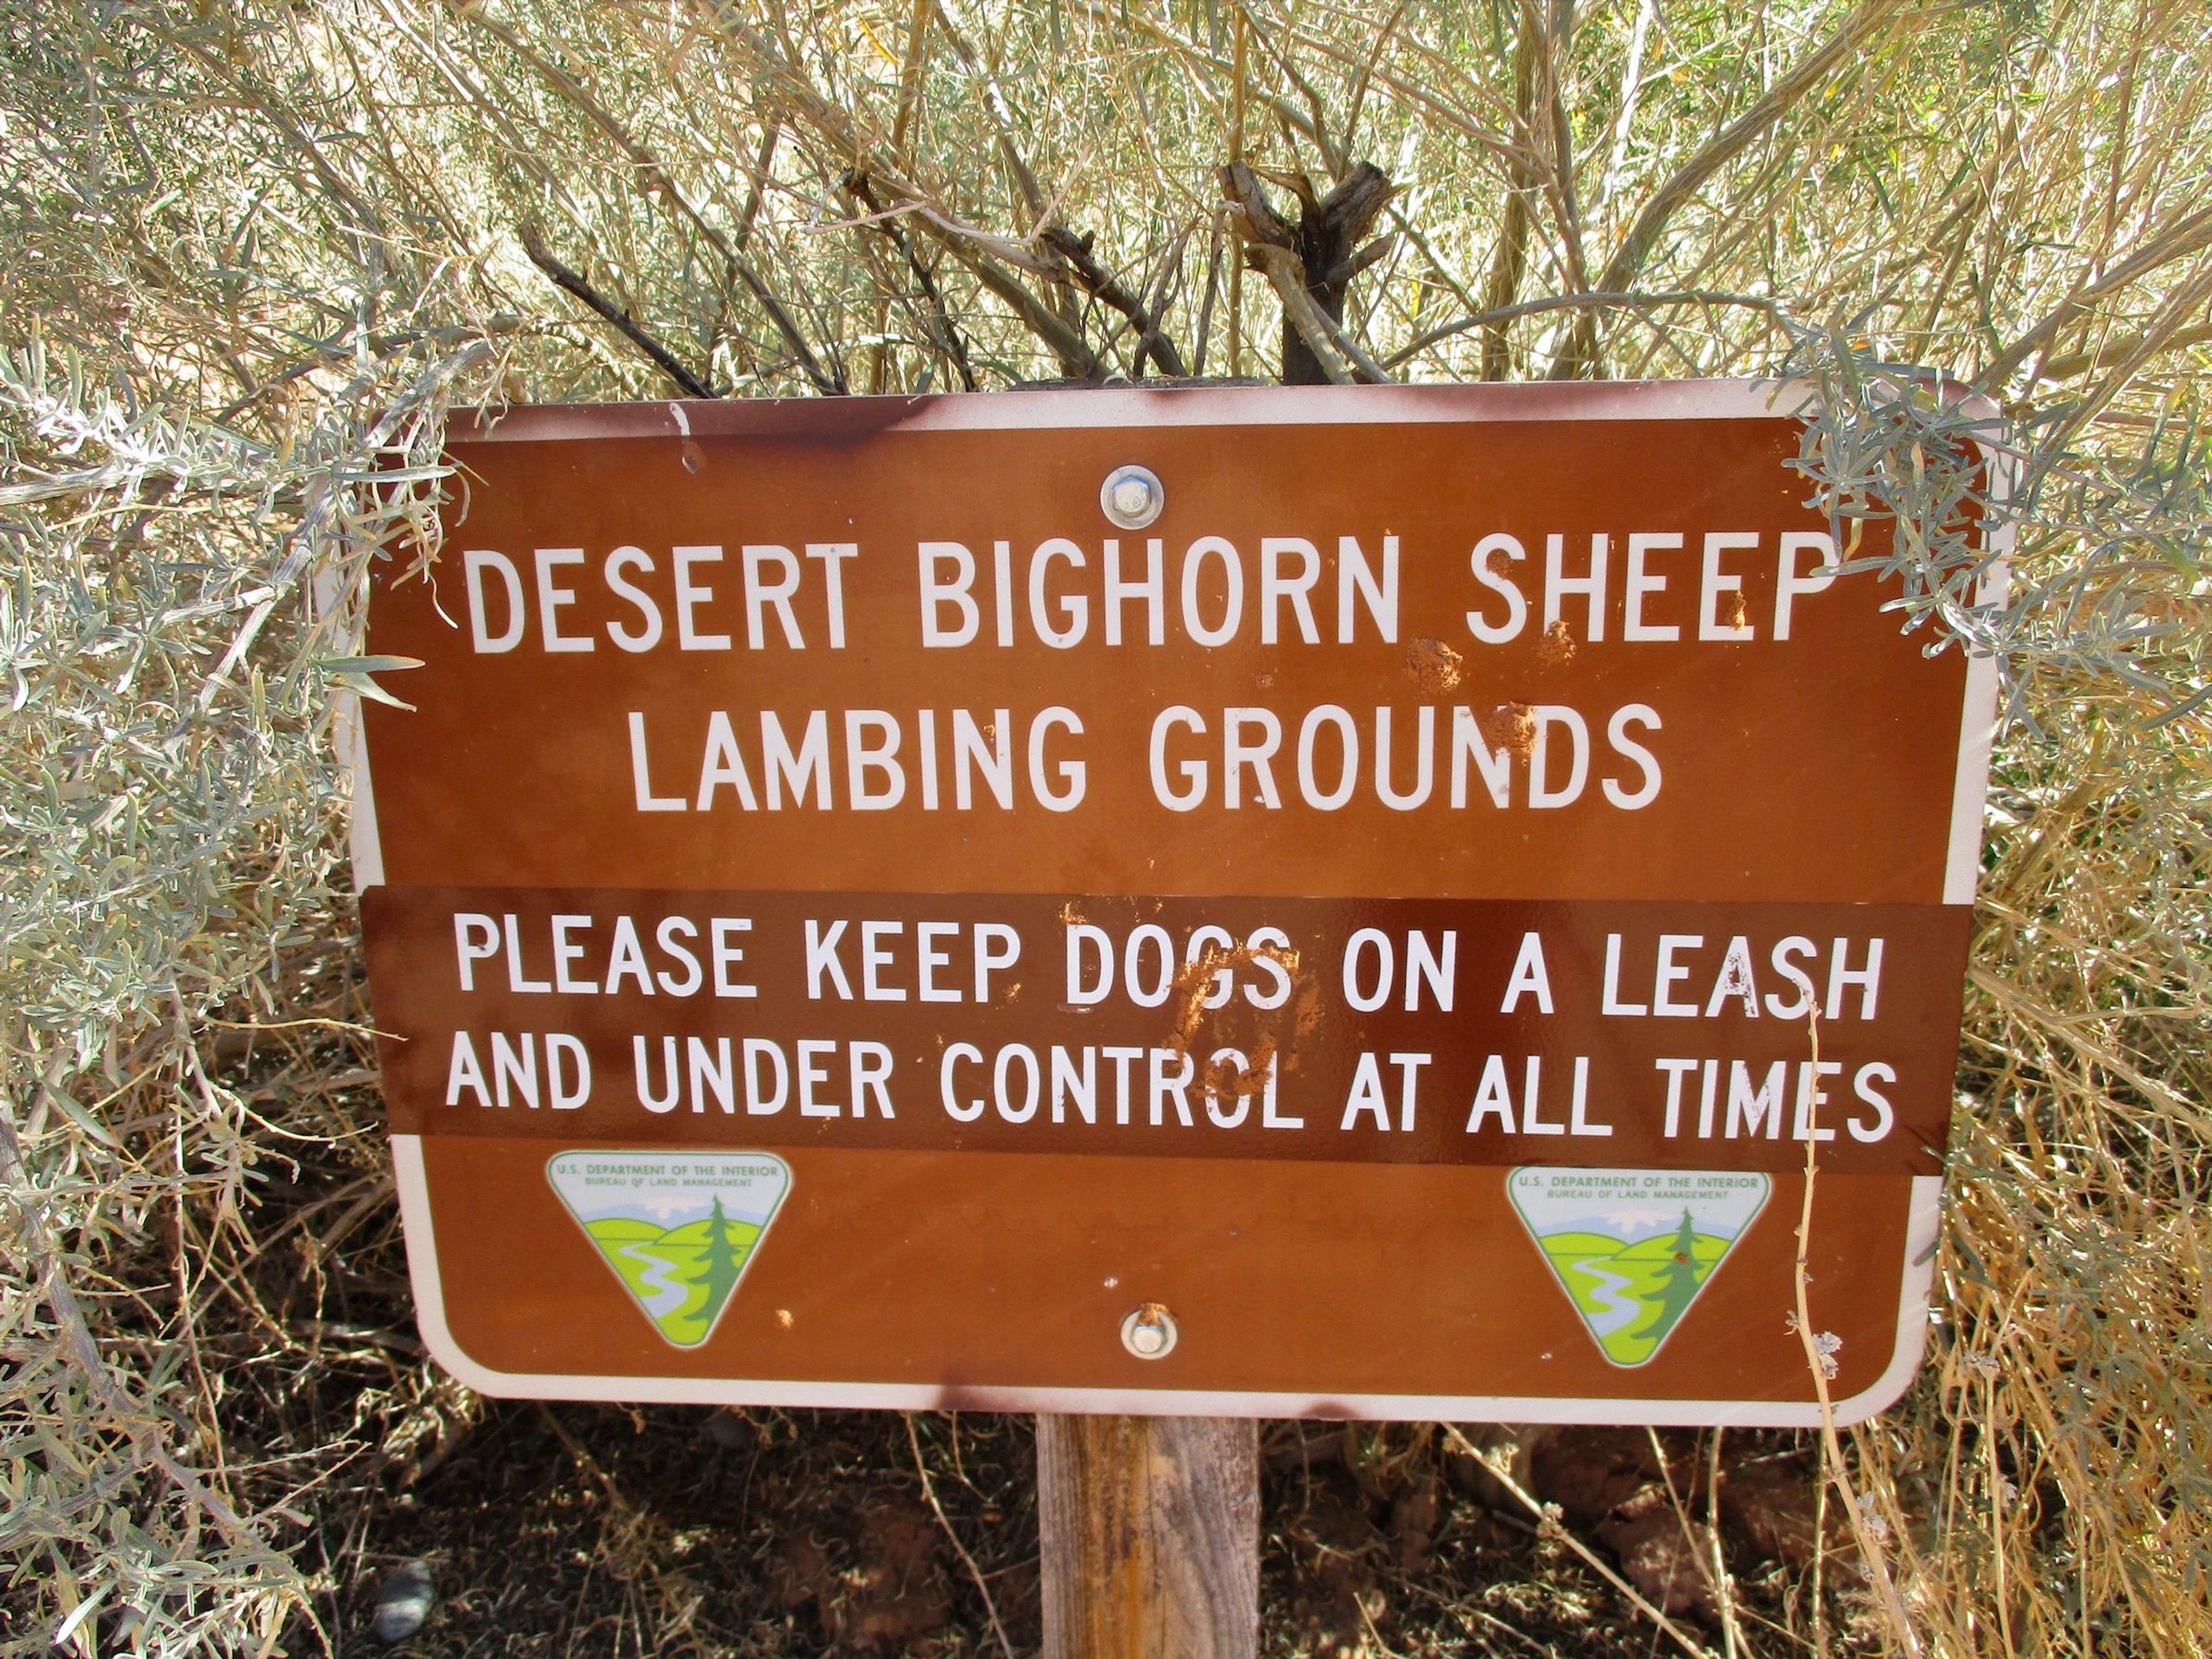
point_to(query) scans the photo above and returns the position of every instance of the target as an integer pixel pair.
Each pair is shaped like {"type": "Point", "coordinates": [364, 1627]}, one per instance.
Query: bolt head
{"type": "Point", "coordinates": [1132, 496]}
{"type": "Point", "coordinates": [1149, 1331]}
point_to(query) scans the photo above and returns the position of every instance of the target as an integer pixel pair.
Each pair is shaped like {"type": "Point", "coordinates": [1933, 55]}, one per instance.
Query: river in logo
{"type": "Point", "coordinates": [1634, 1248]}
{"type": "Point", "coordinates": [677, 1228]}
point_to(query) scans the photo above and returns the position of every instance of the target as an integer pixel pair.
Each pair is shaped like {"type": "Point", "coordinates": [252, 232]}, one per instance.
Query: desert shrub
{"type": "Point", "coordinates": [250, 254]}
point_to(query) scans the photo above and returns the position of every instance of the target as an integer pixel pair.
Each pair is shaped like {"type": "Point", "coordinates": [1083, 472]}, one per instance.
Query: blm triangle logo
{"type": "Point", "coordinates": [1633, 1248]}
{"type": "Point", "coordinates": [677, 1228]}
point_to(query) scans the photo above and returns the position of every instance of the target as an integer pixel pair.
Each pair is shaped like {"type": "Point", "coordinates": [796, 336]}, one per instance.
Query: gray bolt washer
{"type": "Point", "coordinates": [1132, 496]}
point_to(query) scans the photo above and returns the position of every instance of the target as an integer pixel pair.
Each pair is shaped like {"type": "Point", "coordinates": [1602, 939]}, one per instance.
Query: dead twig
{"type": "Point", "coordinates": [974, 1572]}
{"type": "Point", "coordinates": [1549, 1526]}
{"type": "Point", "coordinates": [940, 324]}
{"type": "Point", "coordinates": [1820, 1359]}
{"type": "Point", "coordinates": [136, 1423]}
{"type": "Point", "coordinates": [569, 281]}
{"type": "Point", "coordinates": [1097, 281]}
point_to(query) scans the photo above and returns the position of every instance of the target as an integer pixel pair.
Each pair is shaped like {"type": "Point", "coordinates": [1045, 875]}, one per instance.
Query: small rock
{"type": "Point", "coordinates": [1589, 1472]}
{"type": "Point", "coordinates": [871, 1568]}
{"type": "Point", "coordinates": [1413, 1524]}
{"type": "Point", "coordinates": [729, 1430]}
{"type": "Point", "coordinates": [403, 1603]}
{"type": "Point", "coordinates": [1769, 1505]}
{"type": "Point", "coordinates": [1673, 1572]}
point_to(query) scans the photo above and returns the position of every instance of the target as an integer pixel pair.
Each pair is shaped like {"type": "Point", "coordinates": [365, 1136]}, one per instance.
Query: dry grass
{"type": "Point", "coordinates": [247, 255]}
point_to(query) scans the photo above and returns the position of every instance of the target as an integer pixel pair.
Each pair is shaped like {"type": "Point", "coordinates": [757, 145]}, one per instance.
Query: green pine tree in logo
{"type": "Point", "coordinates": [722, 1262]}
{"type": "Point", "coordinates": [1678, 1281]}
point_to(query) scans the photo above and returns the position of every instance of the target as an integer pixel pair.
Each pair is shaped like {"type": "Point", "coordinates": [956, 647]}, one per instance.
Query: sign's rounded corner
{"type": "Point", "coordinates": [445, 1349]}
{"type": "Point", "coordinates": [1890, 1387]}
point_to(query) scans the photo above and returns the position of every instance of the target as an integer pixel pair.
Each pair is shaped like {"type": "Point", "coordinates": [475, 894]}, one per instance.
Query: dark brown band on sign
{"type": "Point", "coordinates": [1488, 1032]}
{"type": "Point", "coordinates": [984, 1277]}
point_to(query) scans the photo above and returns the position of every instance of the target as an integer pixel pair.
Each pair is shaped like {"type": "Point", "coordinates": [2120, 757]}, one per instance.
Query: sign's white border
{"type": "Point", "coordinates": [1269, 406]}
{"type": "Point", "coordinates": [1110, 407]}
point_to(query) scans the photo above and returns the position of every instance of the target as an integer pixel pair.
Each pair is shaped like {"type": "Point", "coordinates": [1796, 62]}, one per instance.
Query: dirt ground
{"type": "Point", "coordinates": [571, 1530]}
{"type": "Point", "coordinates": [567, 1530]}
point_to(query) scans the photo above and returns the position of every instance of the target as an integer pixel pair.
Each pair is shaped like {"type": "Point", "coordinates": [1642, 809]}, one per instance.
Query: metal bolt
{"type": "Point", "coordinates": [1149, 1332]}
{"type": "Point", "coordinates": [1132, 496]}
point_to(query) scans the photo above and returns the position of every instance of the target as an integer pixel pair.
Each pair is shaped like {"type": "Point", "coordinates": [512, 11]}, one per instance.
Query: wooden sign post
{"type": "Point", "coordinates": [1150, 1534]}
{"type": "Point", "coordinates": [1213, 903]}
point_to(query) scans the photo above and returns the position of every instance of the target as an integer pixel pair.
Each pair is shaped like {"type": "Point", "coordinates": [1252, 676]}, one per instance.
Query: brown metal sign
{"type": "Point", "coordinates": [1345, 901]}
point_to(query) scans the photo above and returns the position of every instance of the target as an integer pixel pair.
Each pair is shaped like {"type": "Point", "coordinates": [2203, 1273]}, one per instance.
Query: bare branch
{"type": "Point", "coordinates": [1509, 262]}
{"type": "Point", "coordinates": [655, 177]}
{"type": "Point", "coordinates": [1496, 319]}
{"type": "Point", "coordinates": [2178, 241]}
{"type": "Point", "coordinates": [1100, 283]}
{"type": "Point", "coordinates": [770, 133]}
{"type": "Point", "coordinates": [1311, 264]}
{"type": "Point", "coordinates": [1212, 288]}
{"type": "Point", "coordinates": [567, 280]}
{"type": "Point", "coordinates": [2117, 352]}
{"type": "Point", "coordinates": [1558, 47]}
{"type": "Point", "coordinates": [1334, 357]}
{"type": "Point", "coordinates": [941, 325]}
{"type": "Point", "coordinates": [1865, 21]}
{"type": "Point", "coordinates": [1077, 360]}
{"type": "Point", "coordinates": [2188, 302]}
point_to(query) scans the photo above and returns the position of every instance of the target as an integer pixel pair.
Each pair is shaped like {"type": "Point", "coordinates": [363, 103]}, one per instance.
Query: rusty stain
{"type": "Point", "coordinates": [1557, 649]}
{"type": "Point", "coordinates": [1263, 1056]}
{"type": "Point", "coordinates": [1222, 1083]}
{"type": "Point", "coordinates": [1191, 986]}
{"type": "Point", "coordinates": [1513, 726]}
{"type": "Point", "coordinates": [1435, 667]}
